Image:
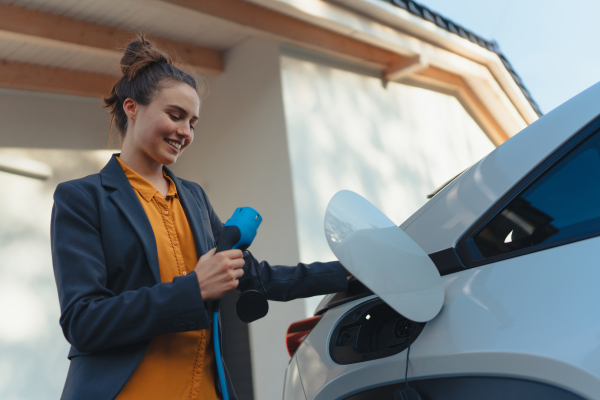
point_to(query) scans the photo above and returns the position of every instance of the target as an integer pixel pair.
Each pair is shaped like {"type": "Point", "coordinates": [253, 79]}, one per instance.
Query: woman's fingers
{"type": "Point", "coordinates": [238, 263]}
{"type": "Point", "coordinates": [238, 273]}
{"type": "Point", "coordinates": [219, 273]}
{"type": "Point", "coordinates": [231, 254]}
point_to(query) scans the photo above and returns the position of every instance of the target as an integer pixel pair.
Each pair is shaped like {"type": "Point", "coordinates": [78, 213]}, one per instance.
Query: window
{"type": "Point", "coordinates": [563, 205]}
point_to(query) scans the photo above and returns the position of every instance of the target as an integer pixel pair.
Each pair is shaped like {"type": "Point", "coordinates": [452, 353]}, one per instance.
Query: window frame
{"type": "Point", "coordinates": [466, 249]}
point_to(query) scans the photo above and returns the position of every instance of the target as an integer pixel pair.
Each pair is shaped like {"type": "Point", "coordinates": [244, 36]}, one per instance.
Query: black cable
{"type": "Point", "coordinates": [408, 354]}
{"type": "Point", "coordinates": [408, 393]}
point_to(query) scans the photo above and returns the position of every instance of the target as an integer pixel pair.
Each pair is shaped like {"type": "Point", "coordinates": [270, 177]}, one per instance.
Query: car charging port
{"type": "Point", "coordinates": [370, 331]}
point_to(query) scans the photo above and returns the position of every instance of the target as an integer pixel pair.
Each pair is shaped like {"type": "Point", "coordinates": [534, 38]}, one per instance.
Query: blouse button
{"type": "Point", "coordinates": [184, 273]}
{"type": "Point", "coordinates": [166, 213]}
{"type": "Point", "coordinates": [176, 243]}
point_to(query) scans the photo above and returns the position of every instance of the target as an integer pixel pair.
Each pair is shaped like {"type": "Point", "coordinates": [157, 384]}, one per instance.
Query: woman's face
{"type": "Point", "coordinates": [161, 130]}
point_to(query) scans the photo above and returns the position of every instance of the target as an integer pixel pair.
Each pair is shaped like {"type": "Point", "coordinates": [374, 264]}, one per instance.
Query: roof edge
{"type": "Point", "coordinates": [445, 23]}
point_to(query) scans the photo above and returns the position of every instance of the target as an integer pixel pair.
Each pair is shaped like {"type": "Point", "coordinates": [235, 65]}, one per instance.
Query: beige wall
{"type": "Point", "coordinates": [52, 121]}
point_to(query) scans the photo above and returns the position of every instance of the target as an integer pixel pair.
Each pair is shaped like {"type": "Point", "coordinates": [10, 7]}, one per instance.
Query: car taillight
{"type": "Point", "coordinates": [298, 331]}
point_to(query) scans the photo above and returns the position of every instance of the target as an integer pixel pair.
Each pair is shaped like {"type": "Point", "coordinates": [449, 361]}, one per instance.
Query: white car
{"type": "Point", "coordinates": [516, 312]}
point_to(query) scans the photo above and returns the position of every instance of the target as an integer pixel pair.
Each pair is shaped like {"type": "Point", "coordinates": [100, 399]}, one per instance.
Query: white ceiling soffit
{"type": "Point", "coordinates": [155, 17]}
{"type": "Point", "coordinates": [52, 53]}
{"type": "Point", "coordinates": [409, 35]}
{"type": "Point", "coordinates": [159, 19]}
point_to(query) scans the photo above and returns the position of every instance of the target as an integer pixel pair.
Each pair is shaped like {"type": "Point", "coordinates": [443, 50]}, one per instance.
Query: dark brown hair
{"type": "Point", "coordinates": [146, 70]}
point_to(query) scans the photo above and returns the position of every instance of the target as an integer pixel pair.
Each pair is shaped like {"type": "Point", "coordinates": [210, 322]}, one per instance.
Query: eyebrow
{"type": "Point", "coordinates": [182, 110]}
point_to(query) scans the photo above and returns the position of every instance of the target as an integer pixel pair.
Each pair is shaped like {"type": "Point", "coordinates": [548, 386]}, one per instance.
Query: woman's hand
{"type": "Point", "coordinates": [219, 273]}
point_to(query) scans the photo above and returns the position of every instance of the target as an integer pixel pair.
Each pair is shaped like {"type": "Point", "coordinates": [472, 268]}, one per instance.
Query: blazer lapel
{"type": "Point", "coordinates": [124, 197]}
{"type": "Point", "coordinates": [191, 207]}
{"type": "Point", "coordinates": [192, 211]}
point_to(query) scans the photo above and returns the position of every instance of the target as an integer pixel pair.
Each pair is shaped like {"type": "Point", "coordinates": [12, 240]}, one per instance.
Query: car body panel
{"type": "Point", "coordinates": [532, 317]}
{"type": "Point", "coordinates": [441, 221]}
{"type": "Point", "coordinates": [292, 388]}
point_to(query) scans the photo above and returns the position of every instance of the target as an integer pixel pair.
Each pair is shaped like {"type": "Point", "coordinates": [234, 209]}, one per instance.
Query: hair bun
{"type": "Point", "coordinates": [145, 67]}
{"type": "Point", "coordinates": [140, 54]}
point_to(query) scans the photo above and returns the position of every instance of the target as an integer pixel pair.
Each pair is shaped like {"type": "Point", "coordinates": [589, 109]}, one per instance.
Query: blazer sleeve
{"type": "Point", "coordinates": [280, 282]}
{"type": "Point", "coordinates": [93, 318]}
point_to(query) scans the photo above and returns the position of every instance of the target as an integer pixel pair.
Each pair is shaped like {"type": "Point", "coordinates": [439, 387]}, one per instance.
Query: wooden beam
{"type": "Point", "coordinates": [405, 67]}
{"type": "Point", "coordinates": [21, 76]}
{"type": "Point", "coordinates": [447, 82]}
{"type": "Point", "coordinates": [295, 30]}
{"type": "Point", "coordinates": [67, 30]}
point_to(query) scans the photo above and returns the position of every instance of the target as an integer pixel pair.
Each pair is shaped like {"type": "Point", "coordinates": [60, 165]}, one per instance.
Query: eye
{"type": "Point", "coordinates": [174, 117]}
{"type": "Point", "coordinates": [192, 128]}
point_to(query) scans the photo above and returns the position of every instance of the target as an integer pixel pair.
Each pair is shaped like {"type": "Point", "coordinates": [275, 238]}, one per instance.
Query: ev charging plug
{"type": "Point", "coordinates": [238, 233]}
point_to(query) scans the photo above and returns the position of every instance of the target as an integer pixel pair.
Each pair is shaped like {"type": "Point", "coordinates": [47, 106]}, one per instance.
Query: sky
{"type": "Point", "coordinates": [551, 44]}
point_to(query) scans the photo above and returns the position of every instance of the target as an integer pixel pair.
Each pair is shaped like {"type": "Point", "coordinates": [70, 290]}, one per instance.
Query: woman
{"type": "Point", "coordinates": [133, 252]}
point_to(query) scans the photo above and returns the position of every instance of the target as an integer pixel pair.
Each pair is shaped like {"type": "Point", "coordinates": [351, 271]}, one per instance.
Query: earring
{"type": "Point", "coordinates": [132, 118]}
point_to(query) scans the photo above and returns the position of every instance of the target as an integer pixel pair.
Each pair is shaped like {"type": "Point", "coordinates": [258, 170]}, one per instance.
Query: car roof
{"type": "Point", "coordinates": [442, 220]}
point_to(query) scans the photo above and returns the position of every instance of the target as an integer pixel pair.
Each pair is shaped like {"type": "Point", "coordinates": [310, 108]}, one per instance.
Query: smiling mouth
{"type": "Point", "coordinates": [174, 144]}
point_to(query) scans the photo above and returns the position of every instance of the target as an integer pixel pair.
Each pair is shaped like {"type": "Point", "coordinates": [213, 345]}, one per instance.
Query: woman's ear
{"type": "Point", "coordinates": [130, 107]}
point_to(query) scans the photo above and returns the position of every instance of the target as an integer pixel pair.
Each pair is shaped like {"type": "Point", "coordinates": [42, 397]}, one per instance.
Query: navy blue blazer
{"type": "Point", "coordinates": [111, 298]}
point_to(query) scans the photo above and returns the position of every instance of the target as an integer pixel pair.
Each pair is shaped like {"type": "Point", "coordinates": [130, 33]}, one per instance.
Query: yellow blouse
{"type": "Point", "coordinates": [176, 365]}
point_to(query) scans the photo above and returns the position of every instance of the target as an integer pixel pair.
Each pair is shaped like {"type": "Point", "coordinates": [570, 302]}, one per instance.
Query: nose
{"type": "Point", "coordinates": [185, 131]}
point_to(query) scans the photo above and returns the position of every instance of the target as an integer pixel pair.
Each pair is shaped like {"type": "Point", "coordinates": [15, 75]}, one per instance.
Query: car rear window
{"type": "Point", "coordinates": [564, 203]}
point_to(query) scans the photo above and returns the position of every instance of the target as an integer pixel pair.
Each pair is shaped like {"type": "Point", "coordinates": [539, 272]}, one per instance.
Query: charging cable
{"type": "Point", "coordinates": [218, 358]}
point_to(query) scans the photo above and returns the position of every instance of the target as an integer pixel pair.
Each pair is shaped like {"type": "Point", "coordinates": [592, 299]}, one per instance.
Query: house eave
{"type": "Point", "coordinates": [387, 26]}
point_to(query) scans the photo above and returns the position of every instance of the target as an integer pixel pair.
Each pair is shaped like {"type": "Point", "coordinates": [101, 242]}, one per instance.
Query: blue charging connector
{"type": "Point", "coordinates": [238, 233]}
